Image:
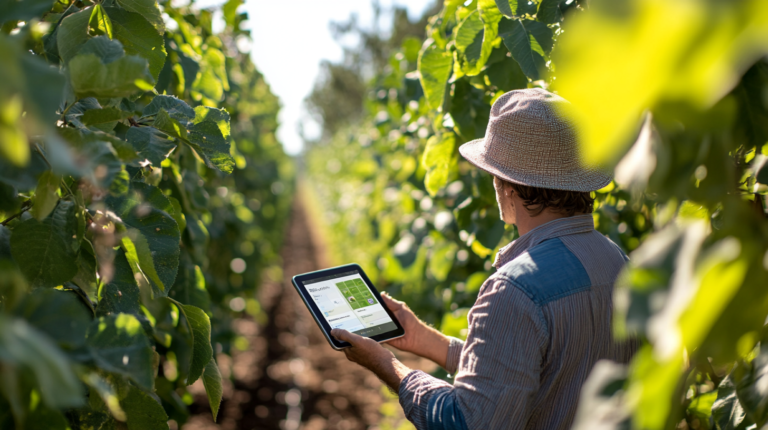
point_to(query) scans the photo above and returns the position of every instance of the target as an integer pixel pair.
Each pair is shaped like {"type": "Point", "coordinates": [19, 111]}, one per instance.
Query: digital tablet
{"type": "Point", "coordinates": [343, 297]}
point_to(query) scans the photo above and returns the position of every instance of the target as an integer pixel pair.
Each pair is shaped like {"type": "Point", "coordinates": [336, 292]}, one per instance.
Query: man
{"type": "Point", "coordinates": [544, 318]}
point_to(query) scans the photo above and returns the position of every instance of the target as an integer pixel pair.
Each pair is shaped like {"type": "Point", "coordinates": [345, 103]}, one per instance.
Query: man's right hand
{"type": "Point", "coordinates": [419, 338]}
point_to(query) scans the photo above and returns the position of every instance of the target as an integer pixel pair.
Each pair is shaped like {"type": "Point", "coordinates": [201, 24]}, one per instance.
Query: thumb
{"type": "Point", "coordinates": [392, 303]}
{"type": "Point", "coordinates": [342, 334]}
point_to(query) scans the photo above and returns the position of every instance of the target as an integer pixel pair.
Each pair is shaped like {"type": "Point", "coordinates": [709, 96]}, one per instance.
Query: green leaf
{"type": "Point", "coordinates": [139, 37]}
{"type": "Point", "coordinates": [516, 8]}
{"type": "Point", "coordinates": [101, 116]}
{"type": "Point", "coordinates": [170, 126]}
{"type": "Point", "coordinates": [103, 47]}
{"type": "Point", "coordinates": [506, 75]}
{"type": "Point", "coordinates": [145, 209]}
{"type": "Point", "coordinates": [218, 116]}
{"type": "Point", "coordinates": [120, 294]}
{"type": "Point", "coordinates": [43, 252]}
{"type": "Point", "coordinates": [205, 129]}
{"type": "Point", "coordinates": [208, 84]}
{"type": "Point", "coordinates": [752, 389]}
{"type": "Point", "coordinates": [524, 47]}
{"type": "Point", "coordinates": [490, 16]}
{"type": "Point", "coordinates": [506, 7]}
{"type": "Point", "coordinates": [12, 391]}
{"type": "Point", "coordinates": [189, 288]}
{"type": "Point", "coordinates": [439, 160]}
{"type": "Point", "coordinates": [550, 12]}
{"type": "Point", "coordinates": [212, 383]}
{"type": "Point", "coordinates": [150, 144]}
{"type": "Point", "coordinates": [140, 257]}
{"type": "Point", "coordinates": [176, 108]}
{"type": "Point", "coordinates": [177, 214]}
{"type": "Point", "coordinates": [230, 11]}
{"type": "Point", "coordinates": [441, 260]}
{"type": "Point", "coordinates": [43, 87]}
{"type": "Point", "coordinates": [762, 174]}
{"type": "Point", "coordinates": [106, 392]}
{"type": "Point", "coordinates": [46, 195]}
{"type": "Point", "coordinates": [86, 272]}
{"type": "Point", "coordinates": [469, 44]}
{"type": "Point", "coordinates": [99, 22]}
{"type": "Point", "coordinates": [59, 314]}
{"type": "Point", "coordinates": [541, 36]}
{"type": "Point", "coordinates": [24, 346]}
{"type": "Point", "coordinates": [143, 411]}
{"type": "Point", "coordinates": [91, 418]}
{"type": "Point", "coordinates": [118, 344]}
{"type": "Point", "coordinates": [23, 10]}
{"type": "Point", "coordinates": [92, 78]}
{"type": "Point", "coordinates": [207, 140]}
{"type": "Point", "coordinates": [727, 411]}
{"type": "Point", "coordinates": [469, 110]}
{"type": "Point", "coordinates": [146, 8]}
{"type": "Point", "coordinates": [72, 34]}
{"type": "Point", "coordinates": [434, 66]}
{"type": "Point", "coordinates": [202, 351]}
{"type": "Point", "coordinates": [43, 417]}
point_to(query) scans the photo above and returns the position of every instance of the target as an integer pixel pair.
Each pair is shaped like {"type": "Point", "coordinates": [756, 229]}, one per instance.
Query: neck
{"type": "Point", "coordinates": [527, 223]}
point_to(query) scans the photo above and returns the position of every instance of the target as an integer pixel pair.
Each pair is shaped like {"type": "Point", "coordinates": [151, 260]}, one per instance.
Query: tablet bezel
{"type": "Point", "coordinates": [298, 282]}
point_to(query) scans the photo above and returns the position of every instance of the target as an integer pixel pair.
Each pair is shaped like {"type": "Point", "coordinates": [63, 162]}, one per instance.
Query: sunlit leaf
{"type": "Point", "coordinates": [118, 344]}
{"type": "Point", "coordinates": [139, 37]}
{"type": "Point", "coordinates": [439, 160]}
{"type": "Point", "coordinates": [145, 209]}
{"type": "Point", "coordinates": [148, 9]}
{"type": "Point", "coordinates": [46, 195]}
{"type": "Point", "coordinates": [92, 78]}
{"type": "Point", "coordinates": [434, 69]}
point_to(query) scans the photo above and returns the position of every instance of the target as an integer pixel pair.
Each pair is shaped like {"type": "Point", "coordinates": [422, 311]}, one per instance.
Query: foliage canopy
{"type": "Point", "coordinates": [126, 130]}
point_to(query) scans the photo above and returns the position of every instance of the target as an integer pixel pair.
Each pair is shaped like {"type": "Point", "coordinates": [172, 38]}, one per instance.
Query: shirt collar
{"type": "Point", "coordinates": [559, 227]}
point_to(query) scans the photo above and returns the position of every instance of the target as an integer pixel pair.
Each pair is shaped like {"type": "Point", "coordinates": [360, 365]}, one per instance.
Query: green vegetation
{"type": "Point", "coordinates": [690, 79]}
{"type": "Point", "coordinates": [143, 195]}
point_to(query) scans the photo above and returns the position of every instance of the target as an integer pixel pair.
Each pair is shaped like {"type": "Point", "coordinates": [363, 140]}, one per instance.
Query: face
{"type": "Point", "coordinates": [506, 203]}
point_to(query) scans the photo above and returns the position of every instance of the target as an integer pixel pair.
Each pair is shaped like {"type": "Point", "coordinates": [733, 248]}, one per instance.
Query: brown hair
{"type": "Point", "coordinates": [567, 203]}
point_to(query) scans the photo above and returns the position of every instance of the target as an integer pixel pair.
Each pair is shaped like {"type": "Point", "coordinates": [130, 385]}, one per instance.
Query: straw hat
{"type": "Point", "coordinates": [529, 143]}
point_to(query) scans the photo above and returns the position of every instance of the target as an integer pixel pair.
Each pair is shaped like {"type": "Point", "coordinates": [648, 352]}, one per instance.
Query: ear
{"type": "Point", "coordinates": [507, 189]}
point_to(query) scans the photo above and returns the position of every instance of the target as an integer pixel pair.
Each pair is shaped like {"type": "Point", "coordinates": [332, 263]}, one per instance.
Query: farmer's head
{"type": "Point", "coordinates": [531, 150]}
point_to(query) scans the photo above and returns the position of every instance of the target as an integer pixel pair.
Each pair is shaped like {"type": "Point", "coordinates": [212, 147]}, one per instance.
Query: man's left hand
{"type": "Point", "coordinates": [374, 357]}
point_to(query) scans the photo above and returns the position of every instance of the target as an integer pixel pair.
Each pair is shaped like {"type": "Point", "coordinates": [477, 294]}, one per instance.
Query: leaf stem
{"type": "Point", "coordinates": [24, 207]}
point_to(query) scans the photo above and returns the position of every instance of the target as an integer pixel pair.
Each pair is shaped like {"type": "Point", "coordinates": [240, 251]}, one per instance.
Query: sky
{"type": "Point", "coordinates": [291, 38]}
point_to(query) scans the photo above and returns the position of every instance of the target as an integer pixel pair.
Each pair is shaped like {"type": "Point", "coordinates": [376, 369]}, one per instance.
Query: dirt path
{"type": "Point", "coordinates": [290, 378]}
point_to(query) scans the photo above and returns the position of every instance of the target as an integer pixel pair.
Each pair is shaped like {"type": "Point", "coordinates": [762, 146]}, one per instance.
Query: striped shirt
{"type": "Point", "coordinates": [537, 328]}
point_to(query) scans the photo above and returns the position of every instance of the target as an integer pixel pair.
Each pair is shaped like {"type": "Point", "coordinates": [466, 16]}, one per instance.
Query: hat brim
{"type": "Point", "coordinates": [587, 180]}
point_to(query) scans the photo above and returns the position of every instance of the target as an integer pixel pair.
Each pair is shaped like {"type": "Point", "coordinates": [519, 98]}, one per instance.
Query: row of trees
{"type": "Point", "coordinates": [671, 96]}
{"type": "Point", "coordinates": [142, 193]}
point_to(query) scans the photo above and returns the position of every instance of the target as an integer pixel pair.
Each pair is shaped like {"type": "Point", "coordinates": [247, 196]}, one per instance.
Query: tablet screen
{"type": "Point", "coordinates": [346, 302]}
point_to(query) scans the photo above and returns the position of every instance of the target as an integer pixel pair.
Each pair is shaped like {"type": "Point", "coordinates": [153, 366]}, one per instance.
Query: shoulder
{"type": "Point", "coordinates": [546, 272]}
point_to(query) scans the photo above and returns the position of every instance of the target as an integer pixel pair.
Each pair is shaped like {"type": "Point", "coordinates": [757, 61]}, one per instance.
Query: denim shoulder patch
{"type": "Point", "coordinates": [547, 272]}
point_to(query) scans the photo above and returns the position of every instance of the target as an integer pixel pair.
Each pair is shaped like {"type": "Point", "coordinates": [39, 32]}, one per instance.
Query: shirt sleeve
{"type": "Point", "coordinates": [454, 355]}
{"type": "Point", "coordinates": [499, 370]}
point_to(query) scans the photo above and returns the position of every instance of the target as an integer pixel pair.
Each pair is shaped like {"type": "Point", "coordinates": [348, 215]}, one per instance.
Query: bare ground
{"type": "Point", "coordinates": [290, 378]}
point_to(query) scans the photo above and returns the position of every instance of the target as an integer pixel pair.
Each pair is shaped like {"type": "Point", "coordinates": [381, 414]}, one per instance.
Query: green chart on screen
{"type": "Point", "coordinates": [356, 293]}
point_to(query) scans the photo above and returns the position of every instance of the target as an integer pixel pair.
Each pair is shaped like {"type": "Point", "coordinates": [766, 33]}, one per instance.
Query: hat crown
{"type": "Point", "coordinates": [529, 142]}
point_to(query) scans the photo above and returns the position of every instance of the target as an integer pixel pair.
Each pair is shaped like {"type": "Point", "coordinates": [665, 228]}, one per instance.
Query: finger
{"type": "Point", "coordinates": [345, 336]}
{"type": "Point", "coordinates": [389, 301]}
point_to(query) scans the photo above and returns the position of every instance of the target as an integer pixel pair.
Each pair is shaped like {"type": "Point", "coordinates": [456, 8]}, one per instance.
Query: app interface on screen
{"type": "Point", "coordinates": [347, 303]}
